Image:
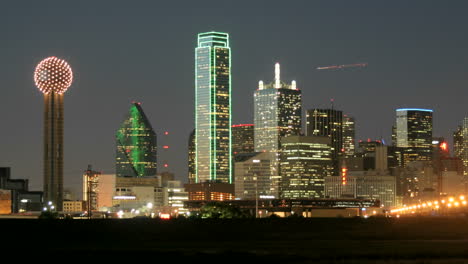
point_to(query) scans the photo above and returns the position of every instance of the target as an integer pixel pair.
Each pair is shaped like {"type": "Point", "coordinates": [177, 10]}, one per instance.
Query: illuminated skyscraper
{"type": "Point", "coordinates": [53, 77]}
{"type": "Point", "coordinates": [305, 161]}
{"type": "Point", "coordinates": [242, 139]}
{"type": "Point", "coordinates": [136, 145]}
{"type": "Point", "coordinates": [213, 108]}
{"type": "Point", "coordinates": [460, 141]}
{"type": "Point", "coordinates": [349, 133]}
{"type": "Point", "coordinates": [414, 134]}
{"type": "Point", "coordinates": [327, 123]}
{"type": "Point", "coordinates": [277, 114]}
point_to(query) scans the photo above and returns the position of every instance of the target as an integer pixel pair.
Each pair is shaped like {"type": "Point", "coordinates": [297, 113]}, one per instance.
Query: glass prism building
{"type": "Point", "coordinates": [136, 145]}
{"type": "Point", "coordinates": [213, 108]}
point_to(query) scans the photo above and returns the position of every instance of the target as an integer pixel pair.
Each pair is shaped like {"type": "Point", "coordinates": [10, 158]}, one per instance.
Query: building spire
{"type": "Point", "coordinates": [277, 76]}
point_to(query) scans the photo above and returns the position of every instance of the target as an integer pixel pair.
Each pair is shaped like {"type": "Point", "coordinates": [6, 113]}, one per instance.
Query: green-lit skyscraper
{"type": "Point", "coordinates": [136, 145]}
{"type": "Point", "coordinates": [213, 108]}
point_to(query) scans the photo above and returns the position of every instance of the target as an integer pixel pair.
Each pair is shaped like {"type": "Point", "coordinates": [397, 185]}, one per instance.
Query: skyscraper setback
{"type": "Point", "coordinates": [213, 108]}
{"type": "Point", "coordinates": [136, 145]}
{"type": "Point", "coordinates": [53, 77]}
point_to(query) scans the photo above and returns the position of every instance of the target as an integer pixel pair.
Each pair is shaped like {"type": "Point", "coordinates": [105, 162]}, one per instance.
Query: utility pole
{"type": "Point", "coordinates": [256, 195]}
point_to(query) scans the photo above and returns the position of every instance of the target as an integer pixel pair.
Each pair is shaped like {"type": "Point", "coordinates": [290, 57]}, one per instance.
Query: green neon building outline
{"type": "Point", "coordinates": [211, 38]}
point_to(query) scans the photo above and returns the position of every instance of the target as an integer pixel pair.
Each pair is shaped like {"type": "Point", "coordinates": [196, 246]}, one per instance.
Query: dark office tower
{"type": "Point", "coordinates": [191, 158]}
{"type": "Point", "coordinates": [414, 134]}
{"type": "Point", "coordinates": [53, 76]}
{"type": "Point", "coordinates": [394, 140]}
{"type": "Point", "coordinates": [277, 113]}
{"type": "Point", "coordinates": [349, 134]}
{"type": "Point", "coordinates": [242, 139]}
{"type": "Point", "coordinates": [213, 108]}
{"type": "Point", "coordinates": [136, 145]}
{"type": "Point", "coordinates": [305, 161]}
{"type": "Point", "coordinates": [327, 123]}
{"type": "Point", "coordinates": [460, 141]}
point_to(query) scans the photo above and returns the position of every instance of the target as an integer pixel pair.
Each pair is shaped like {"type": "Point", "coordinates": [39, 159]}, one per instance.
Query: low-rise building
{"type": "Point", "coordinates": [74, 206]}
{"type": "Point", "coordinates": [364, 185]}
{"type": "Point", "coordinates": [210, 191]}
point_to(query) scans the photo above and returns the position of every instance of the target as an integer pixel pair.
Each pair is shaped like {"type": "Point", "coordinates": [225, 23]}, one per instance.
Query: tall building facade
{"type": "Point", "coordinates": [53, 77]}
{"type": "Point", "coordinates": [327, 123]}
{"type": "Point", "coordinates": [305, 161]}
{"type": "Point", "coordinates": [349, 136]}
{"type": "Point", "coordinates": [414, 134]}
{"type": "Point", "coordinates": [136, 145]}
{"type": "Point", "coordinates": [252, 175]}
{"type": "Point", "coordinates": [277, 114]}
{"type": "Point", "coordinates": [460, 141]}
{"type": "Point", "coordinates": [213, 108]}
{"type": "Point", "coordinates": [242, 139]}
{"type": "Point", "coordinates": [191, 158]}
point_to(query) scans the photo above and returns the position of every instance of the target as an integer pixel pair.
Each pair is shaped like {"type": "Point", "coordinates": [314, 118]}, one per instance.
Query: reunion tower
{"type": "Point", "coordinates": [53, 76]}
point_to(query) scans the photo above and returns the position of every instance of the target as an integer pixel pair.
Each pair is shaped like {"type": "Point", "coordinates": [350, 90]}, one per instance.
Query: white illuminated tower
{"type": "Point", "coordinates": [53, 76]}
{"type": "Point", "coordinates": [277, 114]}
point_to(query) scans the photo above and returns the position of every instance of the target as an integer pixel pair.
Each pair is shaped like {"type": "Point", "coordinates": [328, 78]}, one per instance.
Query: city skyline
{"type": "Point", "coordinates": [106, 85]}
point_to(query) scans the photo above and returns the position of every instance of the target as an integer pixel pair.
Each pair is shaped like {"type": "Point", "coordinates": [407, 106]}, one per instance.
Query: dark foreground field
{"type": "Point", "coordinates": [380, 240]}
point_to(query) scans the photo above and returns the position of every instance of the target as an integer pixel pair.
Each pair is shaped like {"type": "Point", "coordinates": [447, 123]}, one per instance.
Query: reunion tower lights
{"type": "Point", "coordinates": [53, 76]}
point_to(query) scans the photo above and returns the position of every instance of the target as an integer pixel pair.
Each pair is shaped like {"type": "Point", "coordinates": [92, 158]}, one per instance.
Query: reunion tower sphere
{"type": "Point", "coordinates": [53, 74]}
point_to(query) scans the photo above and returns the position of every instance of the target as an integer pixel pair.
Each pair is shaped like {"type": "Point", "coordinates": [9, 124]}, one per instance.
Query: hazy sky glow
{"type": "Point", "coordinates": [124, 51]}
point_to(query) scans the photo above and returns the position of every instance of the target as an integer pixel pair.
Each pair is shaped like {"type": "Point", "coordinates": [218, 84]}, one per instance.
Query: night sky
{"type": "Point", "coordinates": [124, 51]}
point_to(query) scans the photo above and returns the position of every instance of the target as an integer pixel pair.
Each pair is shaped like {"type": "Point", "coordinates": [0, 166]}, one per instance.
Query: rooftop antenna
{"type": "Point", "coordinates": [277, 76]}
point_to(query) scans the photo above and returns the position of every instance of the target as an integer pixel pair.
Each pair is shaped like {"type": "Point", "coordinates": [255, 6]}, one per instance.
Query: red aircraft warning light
{"type": "Point", "coordinates": [444, 146]}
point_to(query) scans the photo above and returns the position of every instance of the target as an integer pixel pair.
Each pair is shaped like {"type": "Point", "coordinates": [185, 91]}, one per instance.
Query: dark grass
{"type": "Point", "coordinates": [333, 240]}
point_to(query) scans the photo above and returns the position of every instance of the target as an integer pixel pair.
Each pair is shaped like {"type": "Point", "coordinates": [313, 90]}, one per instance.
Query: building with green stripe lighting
{"type": "Point", "coordinates": [213, 108]}
{"type": "Point", "coordinates": [136, 145]}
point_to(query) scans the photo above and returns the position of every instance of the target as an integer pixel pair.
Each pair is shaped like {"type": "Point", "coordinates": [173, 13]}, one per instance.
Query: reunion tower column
{"type": "Point", "coordinates": [53, 76]}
